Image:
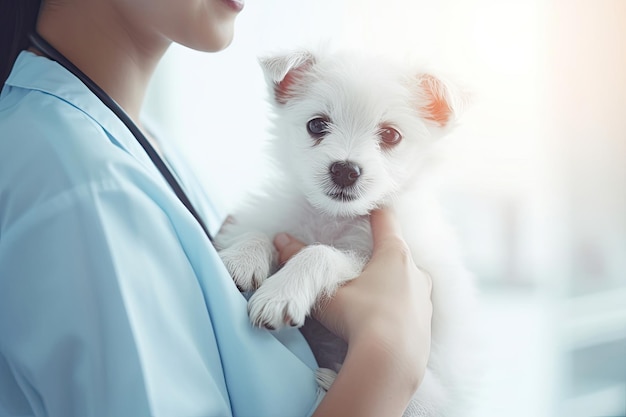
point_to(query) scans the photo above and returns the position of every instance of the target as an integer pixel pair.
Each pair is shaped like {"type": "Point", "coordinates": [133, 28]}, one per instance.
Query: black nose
{"type": "Point", "coordinates": [345, 173]}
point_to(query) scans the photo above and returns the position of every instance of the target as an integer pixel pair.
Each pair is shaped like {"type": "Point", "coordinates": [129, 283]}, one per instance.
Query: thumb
{"type": "Point", "coordinates": [287, 247]}
{"type": "Point", "coordinates": [385, 227]}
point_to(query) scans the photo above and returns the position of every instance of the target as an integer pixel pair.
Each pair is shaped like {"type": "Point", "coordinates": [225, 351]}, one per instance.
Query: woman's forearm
{"type": "Point", "coordinates": [375, 380]}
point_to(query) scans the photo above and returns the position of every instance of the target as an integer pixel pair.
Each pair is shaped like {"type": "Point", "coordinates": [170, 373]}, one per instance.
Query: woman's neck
{"type": "Point", "coordinates": [107, 47]}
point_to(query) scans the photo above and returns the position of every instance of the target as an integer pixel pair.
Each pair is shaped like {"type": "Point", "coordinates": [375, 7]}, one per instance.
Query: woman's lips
{"type": "Point", "coordinates": [236, 5]}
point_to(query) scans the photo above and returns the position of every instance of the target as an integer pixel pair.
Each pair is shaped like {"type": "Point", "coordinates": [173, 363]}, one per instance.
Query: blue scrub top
{"type": "Point", "coordinates": [112, 300]}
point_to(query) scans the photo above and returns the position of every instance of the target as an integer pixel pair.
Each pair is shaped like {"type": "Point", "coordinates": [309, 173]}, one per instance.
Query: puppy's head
{"type": "Point", "coordinates": [353, 131]}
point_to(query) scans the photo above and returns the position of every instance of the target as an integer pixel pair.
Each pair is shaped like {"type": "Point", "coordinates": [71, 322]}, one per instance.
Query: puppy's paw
{"type": "Point", "coordinates": [278, 302]}
{"type": "Point", "coordinates": [288, 296]}
{"type": "Point", "coordinates": [249, 260]}
{"type": "Point", "coordinates": [325, 377]}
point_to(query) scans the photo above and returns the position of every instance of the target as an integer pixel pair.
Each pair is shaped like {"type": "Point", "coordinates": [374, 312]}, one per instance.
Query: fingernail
{"type": "Point", "coordinates": [281, 240]}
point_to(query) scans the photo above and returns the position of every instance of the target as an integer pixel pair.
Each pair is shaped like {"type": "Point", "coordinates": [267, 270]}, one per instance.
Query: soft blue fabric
{"type": "Point", "coordinates": [112, 300]}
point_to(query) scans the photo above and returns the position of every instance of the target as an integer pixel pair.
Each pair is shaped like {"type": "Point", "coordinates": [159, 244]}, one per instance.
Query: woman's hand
{"type": "Point", "coordinates": [384, 315]}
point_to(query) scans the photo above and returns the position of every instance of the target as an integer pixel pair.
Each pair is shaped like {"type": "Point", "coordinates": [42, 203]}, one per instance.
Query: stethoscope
{"type": "Point", "coordinates": [50, 52]}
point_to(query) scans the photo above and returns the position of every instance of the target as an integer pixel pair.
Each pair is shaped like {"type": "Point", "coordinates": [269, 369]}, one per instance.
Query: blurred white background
{"type": "Point", "coordinates": [535, 183]}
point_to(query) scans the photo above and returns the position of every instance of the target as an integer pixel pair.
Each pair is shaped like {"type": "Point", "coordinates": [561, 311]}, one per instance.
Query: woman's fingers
{"type": "Point", "coordinates": [287, 246]}
{"type": "Point", "coordinates": [385, 227]}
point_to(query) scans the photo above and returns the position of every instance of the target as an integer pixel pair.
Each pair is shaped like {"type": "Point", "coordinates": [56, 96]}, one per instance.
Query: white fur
{"type": "Point", "coordinates": [358, 95]}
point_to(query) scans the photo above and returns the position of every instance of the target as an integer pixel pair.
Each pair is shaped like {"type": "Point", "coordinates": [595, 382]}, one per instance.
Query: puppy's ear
{"type": "Point", "coordinates": [438, 102]}
{"type": "Point", "coordinates": [284, 73]}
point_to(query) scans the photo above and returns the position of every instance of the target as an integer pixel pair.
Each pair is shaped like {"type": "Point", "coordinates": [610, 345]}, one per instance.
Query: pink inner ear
{"type": "Point", "coordinates": [286, 89]}
{"type": "Point", "coordinates": [436, 107]}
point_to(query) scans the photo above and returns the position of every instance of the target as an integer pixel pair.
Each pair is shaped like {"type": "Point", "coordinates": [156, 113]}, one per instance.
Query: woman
{"type": "Point", "coordinates": [113, 301]}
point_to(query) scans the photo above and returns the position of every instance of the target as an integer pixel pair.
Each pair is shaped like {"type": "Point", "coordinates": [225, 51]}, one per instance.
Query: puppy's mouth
{"type": "Point", "coordinates": [343, 196]}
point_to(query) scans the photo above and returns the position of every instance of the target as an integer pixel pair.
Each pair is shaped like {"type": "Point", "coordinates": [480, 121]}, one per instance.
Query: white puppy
{"type": "Point", "coordinates": [351, 134]}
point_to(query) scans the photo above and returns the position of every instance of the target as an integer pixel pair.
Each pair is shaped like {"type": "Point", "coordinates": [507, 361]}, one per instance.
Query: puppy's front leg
{"type": "Point", "coordinates": [249, 258]}
{"type": "Point", "coordinates": [288, 296]}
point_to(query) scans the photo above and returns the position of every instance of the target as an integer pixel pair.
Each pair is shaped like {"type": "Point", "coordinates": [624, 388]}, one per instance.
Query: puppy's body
{"type": "Point", "coordinates": [352, 135]}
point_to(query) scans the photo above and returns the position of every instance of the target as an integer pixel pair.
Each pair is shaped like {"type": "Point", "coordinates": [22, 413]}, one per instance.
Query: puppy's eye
{"type": "Point", "coordinates": [317, 127]}
{"type": "Point", "coordinates": [389, 135]}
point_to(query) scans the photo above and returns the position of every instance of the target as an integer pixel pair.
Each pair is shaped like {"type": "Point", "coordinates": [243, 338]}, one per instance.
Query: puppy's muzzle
{"type": "Point", "coordinates": [344, 173]}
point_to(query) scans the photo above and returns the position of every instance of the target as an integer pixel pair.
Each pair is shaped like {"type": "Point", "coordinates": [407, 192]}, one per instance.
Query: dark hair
{"type": "Point", "coordinates": [17, 20]}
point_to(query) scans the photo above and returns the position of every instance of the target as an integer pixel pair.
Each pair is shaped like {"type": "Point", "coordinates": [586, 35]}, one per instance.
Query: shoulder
{"type": "Point", "coordinates": [33, 118]}
{"type": "Point", "coordinates": [55, 131]}
{"type": "Point", "coordinates": [49, 148]}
